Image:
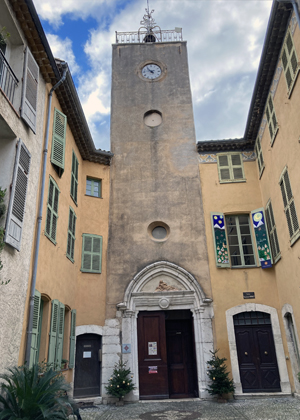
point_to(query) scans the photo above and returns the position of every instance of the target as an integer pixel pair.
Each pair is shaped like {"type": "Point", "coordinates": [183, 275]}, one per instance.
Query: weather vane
{"type": "Point", "coordinates": [148, 22]}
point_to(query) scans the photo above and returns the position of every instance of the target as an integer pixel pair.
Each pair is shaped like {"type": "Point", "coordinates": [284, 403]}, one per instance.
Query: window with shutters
{"type": "Point", "coordinates": [240, 241]}
{"type": "Point", "coordinates": [230, 167]}
{"type": "Point", "coordinates": [289, 62]}
{"type": "Point", "coordinates": [74, 177]}
{"type": "Point", "coordinates": [289, 206]}
{"type": "Point", "coordinates": [36, 328]}
{"type": "Point", "coordinates": [259, 156]}
{"type": "Point", "coordinates": [58, 141]}
{"type": "Point", "coordinates": [52, 211]}
{"type": "Point", "coordinates": [271, 118]}
{"type": "Point", "coordinates": [91, 253]}
{"type": "Point", "coordinates": [71, 234]}
{"type": "Point", "coordinates": [93, 187]}
{"type": "Point", "coordinates": [272, 232]}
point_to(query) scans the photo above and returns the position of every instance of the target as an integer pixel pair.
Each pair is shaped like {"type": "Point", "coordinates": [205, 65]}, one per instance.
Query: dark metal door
{"type": "Point", "coordinates": [152, 354]}
{"type": "Point", "coordinates": [87, 366]}
{"type": "Point", "coordinates": [256, 353]}
{"type": "Point", "coordinates": [181, 361]}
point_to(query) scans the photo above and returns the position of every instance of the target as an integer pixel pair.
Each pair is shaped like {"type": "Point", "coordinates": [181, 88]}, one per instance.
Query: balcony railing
{"type": "Point", "coordinates": [173, 35]}
{"type": "Point", "coordinates": [8, 80]}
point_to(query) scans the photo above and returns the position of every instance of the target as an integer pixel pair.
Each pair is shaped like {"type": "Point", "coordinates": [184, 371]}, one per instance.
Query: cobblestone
{"type": "Point", "coordinates": [287, 408]}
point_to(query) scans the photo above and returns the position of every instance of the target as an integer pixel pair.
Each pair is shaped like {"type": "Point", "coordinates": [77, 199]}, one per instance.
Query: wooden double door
{"type": "Point", "coordinates": [166, 353]}
{"type": "Point", "coordinates": [256, 352]}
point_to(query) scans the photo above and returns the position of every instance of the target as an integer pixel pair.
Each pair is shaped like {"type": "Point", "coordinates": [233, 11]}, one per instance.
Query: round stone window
{"type": "Point", "coordinates": [153, 118]}
{"type": "Point", "coordinates": [158, 231]}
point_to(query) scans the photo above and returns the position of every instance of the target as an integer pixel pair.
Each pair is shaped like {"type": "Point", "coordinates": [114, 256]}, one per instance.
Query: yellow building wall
{"type": "Point", "coordinates": [57, 276]}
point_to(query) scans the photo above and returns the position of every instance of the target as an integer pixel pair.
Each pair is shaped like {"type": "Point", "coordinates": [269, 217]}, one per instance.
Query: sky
{"type": "Point", "coordinates": [224, 40]}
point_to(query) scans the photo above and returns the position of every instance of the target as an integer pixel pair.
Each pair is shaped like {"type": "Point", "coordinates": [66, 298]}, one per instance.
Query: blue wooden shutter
{"type": "Point", "coordinates": [30, 90]}
{"type": "Point", "coordinates": [220, 240]}
{"type": "Point", "coordinates": [17, 204]}
{"type": "Point", "coordinates": [262, 238]}
{"type": "Point", "coordinates": [35, 329]}
{"type": "Point", "coordinates": [72, 339]}
{"type": "Point", "coordinates": [59, 140]}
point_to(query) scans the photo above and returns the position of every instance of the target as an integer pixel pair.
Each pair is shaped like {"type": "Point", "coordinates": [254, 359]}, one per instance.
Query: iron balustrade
{"type": "Point", "coordinates": [173, 35]}
{"type": "Point", "coordinates": [8, 80]}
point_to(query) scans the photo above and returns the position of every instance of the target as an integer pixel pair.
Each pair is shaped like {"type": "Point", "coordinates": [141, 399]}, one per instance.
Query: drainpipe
{"type": "Point", "coordinates": [295, 6]}
{"type": "Point", "coordinates": [39, 219]}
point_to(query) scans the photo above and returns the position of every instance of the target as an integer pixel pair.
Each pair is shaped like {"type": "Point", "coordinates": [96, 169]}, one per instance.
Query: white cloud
{"type": "Point", "coordinates": [62, 48]}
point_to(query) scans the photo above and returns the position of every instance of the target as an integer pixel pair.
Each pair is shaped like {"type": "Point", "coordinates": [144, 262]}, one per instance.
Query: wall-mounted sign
{"type": "Point", "coordinates": [249, 295]}
{"type": "Point", "coordinates": [152, 348]}
{"type": "Point", "coordinates": [126, 348]}
{"type": "Point", "coordinates": [152, 369]}
{"type": "Point", "coordinates": [87, 354]}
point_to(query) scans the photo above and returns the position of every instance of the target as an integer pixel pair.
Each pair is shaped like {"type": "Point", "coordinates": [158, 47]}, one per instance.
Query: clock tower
{"type": "Point", "coordinates": [159, 311]}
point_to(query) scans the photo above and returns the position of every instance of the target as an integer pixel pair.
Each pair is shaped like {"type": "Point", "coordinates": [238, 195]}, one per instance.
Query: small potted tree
{"type": "Point", "coordinates": [221, 385]}
{"type": "Point", "coordinates": [120, 383]}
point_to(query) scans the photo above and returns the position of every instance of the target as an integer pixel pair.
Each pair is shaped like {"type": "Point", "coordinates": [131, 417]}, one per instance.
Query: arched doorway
{"type": "Point", "coordinates": [160, 289]}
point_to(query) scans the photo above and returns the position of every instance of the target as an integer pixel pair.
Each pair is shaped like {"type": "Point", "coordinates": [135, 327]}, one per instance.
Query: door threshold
{"type": "Point", "coordinates": [166, 400]}
{"type": "Point", "coordinates": [247, 395]}
{"type": "Point", "coordinates": [88, 400]}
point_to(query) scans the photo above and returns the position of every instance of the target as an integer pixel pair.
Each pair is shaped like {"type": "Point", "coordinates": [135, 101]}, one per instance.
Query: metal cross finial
{"type": "Point", "coordinates": [148, 22]}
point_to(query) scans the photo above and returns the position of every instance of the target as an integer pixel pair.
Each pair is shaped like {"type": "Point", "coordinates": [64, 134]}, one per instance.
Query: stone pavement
{"type": "Point", "coordinates": [287, 408]}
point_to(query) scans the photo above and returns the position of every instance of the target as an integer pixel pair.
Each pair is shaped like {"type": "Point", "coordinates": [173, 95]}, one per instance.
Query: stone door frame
{"type": "Point", "coordinates": [191, 296]}
{"type": "Point", "coordinates": [283, 372]}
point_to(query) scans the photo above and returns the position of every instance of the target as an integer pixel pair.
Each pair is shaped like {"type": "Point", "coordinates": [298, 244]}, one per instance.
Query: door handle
{"type": "Point", "coordinates": [266, 352]}
{"type": "Point", "coordinates": [246, 353]}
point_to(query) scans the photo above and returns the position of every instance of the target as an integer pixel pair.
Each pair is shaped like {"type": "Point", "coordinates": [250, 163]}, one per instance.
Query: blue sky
{"type": "Point", "coordinates": [224, 39]}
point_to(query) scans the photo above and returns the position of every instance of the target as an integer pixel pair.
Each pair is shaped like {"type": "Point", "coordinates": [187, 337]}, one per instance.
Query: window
{"type": "Point", "coordinates": [56, 335]}
{"type": "Point", "coordinates": [71, 234]}
{"type": "Point", "coordinates": [91, 253]}
{"type": "Point", "coordinates": [230, 167]}
{"type": "Point", "coordinates": [289, 62]}
{"type": "Point", "coordinates": [93, 187]}
{"type": "Point", "coordinates": [271, 118]}
{"type": "Point", "coordinates": [259, 155]}
{"type": "Point", "coordinates": [59, 141]}
{"type": "Point", "coordinates": [240, 241]}
{"type": "Point", "coordinates": [289, 206]}
{"type": "Point", "coordinates": [74, 177]}
{"type": "Point", "coordinates": [272, 232]}
{"type": "Point", "coordinates": [52, 211]}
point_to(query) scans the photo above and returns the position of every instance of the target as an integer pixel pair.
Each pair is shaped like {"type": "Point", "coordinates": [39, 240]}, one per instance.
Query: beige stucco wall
{"type": "Point", "coordinates": [16, 264]}
{"type": "Point", "coordinates": [57, 276]}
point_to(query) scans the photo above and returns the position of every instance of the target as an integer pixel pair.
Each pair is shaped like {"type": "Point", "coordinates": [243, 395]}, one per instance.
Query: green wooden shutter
{"type": "Point", "coordinates": [52, 210]}
{"type": "Point", "coordinates": [289, 204]}
{"type": "Point", "coordinates": [35, 329]}
{"type": "Point", "coordinates": [74, 177]}
{"type": "Point", "coordinates": [60, 336]}
{"type": "Point", "coordinates": [262, 238]}
{"type": "Point", "coordinates": [72, 339]}
{"type": "Point", "coordinates": [220, 240]}
{"type": "Point", "coordinates": [59, 140]}
{"type": "Point", "coordinates": [271, 118]}
{"type": "Point", "coordinates": [17, 203]}
{"type": "Point", "coordinates": [289, 61]}
{"type": "Point", "coordinates": [30, 90]}
{"type": "Point", "coordinates": [91, 253]}
{"type": "Point", "coordinates": [53, 331]}
{"type": "Point", "coordinates": [71, 234]}
{"type": "Point", "coordinates": [272, 232]}
{"type": "Point", "coordinates": [259, 156]}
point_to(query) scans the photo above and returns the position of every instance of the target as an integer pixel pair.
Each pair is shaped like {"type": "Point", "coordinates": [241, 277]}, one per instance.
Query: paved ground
{"type": "Point", "coordinates": [254, 409]}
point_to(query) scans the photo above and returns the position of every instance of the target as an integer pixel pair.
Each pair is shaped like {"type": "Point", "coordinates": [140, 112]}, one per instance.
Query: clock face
{"type": "Point", "coordinates": [151, 71]}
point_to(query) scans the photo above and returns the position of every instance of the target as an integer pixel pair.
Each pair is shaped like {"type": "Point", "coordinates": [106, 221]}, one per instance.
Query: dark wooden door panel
{"type": "Point", "coordinates": [87, 366]}
{"type": "Point", "coordinates": [257, 358]}
{"type": "Point", "coordinates": [153, 369]}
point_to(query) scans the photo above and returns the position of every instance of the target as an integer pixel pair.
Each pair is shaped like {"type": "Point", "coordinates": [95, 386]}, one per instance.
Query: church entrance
{"type": "Point", "coordinates": [166, 355]}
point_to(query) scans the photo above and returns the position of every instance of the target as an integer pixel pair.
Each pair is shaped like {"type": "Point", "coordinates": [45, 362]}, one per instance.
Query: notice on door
{"type": "Point", "coordinates": [87, 354]}
{"type": "Point", "coordinates": [152, 369]}
{"type": "Point", "coordinates": [152, 348]}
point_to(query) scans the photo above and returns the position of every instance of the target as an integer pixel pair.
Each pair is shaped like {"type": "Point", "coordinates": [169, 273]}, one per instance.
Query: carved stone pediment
{"type": "Point", "coordinates": [164, 287]}
{"type": "Point", "coordinates": [162, 283]}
